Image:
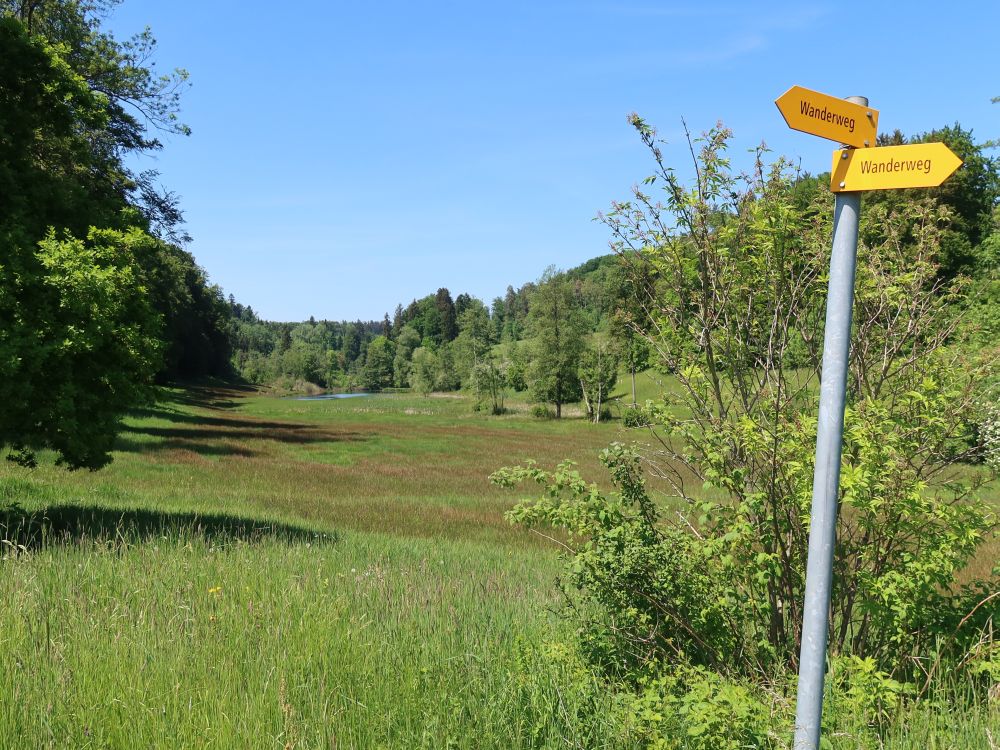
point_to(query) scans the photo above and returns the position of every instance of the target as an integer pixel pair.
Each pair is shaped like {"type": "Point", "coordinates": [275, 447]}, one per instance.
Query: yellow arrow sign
{"type": "Point", "coordinates": [918, 165]}
{"type": "Point", "coordinates": [828, 117]}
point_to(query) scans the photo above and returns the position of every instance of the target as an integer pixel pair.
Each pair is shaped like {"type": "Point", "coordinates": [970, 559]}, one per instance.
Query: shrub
{"type": "Point", "coordinates": [635, 415]}
{"type": "Point", "coordinates": [698, 709]}
{"type": "Point", "coordinates": [489, 383]}
{"type": "Point", "coordinates": [718, 582]}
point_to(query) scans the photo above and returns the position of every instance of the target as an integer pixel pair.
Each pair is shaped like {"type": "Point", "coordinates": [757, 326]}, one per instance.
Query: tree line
{"type": "Point", "coordinates": [562, 338]}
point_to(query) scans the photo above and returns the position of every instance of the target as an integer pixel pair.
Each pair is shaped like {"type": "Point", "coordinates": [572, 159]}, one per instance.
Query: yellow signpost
{"type": "Point", "coordinates": [919, 165]}
{"type": "Point", "coordinates": [857, 167]}
{"type": "Point", "coordinates": [829, 117]}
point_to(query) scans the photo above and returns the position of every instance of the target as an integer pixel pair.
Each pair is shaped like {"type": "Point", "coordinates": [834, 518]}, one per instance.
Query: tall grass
{"type": "Point", "coordinates": [259, 572]}
{"type": "Point", "coordinates": [363, 642]}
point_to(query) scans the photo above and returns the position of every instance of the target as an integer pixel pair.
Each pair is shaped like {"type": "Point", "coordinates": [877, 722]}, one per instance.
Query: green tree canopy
{"type": "Point", "coordinates": [558, 328]}
{"type": "Point", "coordinates": [78, 345]}
{"type": "Point", "coordinates": [378, 371]}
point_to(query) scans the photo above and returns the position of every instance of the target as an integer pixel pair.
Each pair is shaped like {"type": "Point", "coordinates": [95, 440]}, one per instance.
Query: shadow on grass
{"type": "Point", "coordinates": [218, 449]}
{"type": "Point", "coordinates": [24, 530]}
{"type": "Point", "coordinates": [215, 395]}
{"type": "Point", "coordinates": [287, 433]}
{"type": "Point", "coordinates": [180, 417]}
{"type": "Point", "coordinates": [219, 436]}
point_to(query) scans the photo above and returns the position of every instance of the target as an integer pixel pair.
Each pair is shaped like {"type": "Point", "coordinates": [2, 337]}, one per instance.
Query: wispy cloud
{"type": "Point", "coordinates": [724, 32]}
{"type": "Point", "coordinates": [721, 52]}
{"type": "Point", "coordinates": [662, 10]}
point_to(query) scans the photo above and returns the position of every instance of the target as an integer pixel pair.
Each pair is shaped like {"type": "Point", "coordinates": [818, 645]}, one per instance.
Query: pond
{"type": "Point", "coordinates": [325, 396]}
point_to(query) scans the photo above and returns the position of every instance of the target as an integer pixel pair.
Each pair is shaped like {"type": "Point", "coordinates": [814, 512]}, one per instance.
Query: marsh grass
{"type": "Point", "coordinates": [261, 572]}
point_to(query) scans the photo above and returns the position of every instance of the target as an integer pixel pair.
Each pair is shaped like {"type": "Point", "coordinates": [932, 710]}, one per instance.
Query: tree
{"type": "Point", "coordinates": [598, 373]}
{"type": "Point", "coordinates": [77, 102]}
{"type": "Point", "coordinates": [629, 317]}
{"type": "Point", "coordinates": [425, 370]}
{"type": "Point", "coordinates": [78, 340]}
{"type": "Point", "coordinates": [462, 303]}
{"type": "Point", "coordinates": [197, 330]}
{"type": "Point", "coordinates": [720, 584]}
{"type": "Point", "coordinates": [489, 381]}
{"type": "Point", "coordinates": [304, 361]}
{"type": "Point", "coordinates": [132, 100]}
{"type": "Point", "coordinates": [448, 377]}
{"type": "Point", "coordinates": [497, 319]}
{"type": "Point", "coordinates": [333, 375]}
{"type": "Point", "coordinates": [558, 327]}
{"type": "Point", "coordinates": [425, 316]}
{"type": "Point", "coordinates": [284, 338]}
{"type": "Point", "coordinates": [50, 176]}
{"type": "Point", "coordinates": [407, 341]}
{"type": "Point", "coordinates": [473, 341]}
{"type": "Point", "coordinates": [517, 367]}
{"type": "Point", "coordinates": [446, 315]}
{"type": "Point", "coordinates": [78, 347]}
{"type": "Point", "coordinates": [971, 195]}
{"type": "Point", "coordinates": [352, 343]}
{"type": "Point", "coordinates": [512, 329]}
{"type": "Point", "coordinates": [377, 373]}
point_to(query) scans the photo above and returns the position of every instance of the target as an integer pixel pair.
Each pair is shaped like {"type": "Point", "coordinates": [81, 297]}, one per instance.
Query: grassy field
{"type": "Point", "coordinates": [260, 572]}
{"type": "Point", "coordinates": [263, 572]}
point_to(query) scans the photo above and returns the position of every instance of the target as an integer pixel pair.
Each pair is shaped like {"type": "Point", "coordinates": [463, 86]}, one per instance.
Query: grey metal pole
{"type": "Point", "coordinates": [826, 479]}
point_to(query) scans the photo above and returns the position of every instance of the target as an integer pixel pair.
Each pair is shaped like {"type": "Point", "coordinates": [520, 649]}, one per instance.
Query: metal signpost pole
{"type": "Point", "coordinates": [826, 479]}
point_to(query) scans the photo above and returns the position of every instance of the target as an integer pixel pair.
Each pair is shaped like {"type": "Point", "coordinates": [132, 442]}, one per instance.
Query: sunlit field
{"type": "Point", "coordinates": [254, 571]}
{"type": "Point", "coordinates": [262, 572]}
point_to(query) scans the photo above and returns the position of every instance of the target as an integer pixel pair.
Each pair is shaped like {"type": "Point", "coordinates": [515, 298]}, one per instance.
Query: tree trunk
{"type": "Point", "coordinates": [632, 370]}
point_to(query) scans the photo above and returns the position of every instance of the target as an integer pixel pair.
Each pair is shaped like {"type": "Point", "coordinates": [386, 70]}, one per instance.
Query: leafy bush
{"type": "Point", "coordinates": [489, 383]}
{"type": "Point", "coordinates": [864, 692]}
{"type": "Point", "coordinates": [635, 415]}
{"type": "Point", "coordinates": [711, 576]}
{"type": "Point", "coordinates": [699, 709]}
{"type": "Point", "coordinates": [646, 593]}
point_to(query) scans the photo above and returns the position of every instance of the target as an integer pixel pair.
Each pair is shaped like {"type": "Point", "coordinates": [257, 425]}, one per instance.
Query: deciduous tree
{"type": "Point", "coordinates": [424, 372]}
{"type": "Point", "coordinates": [598, 373]}
{"type": "Point", "coordinates": [557, 327]}
{"type": "Point", "coordinates": [378, 372]}
{"type": "Point", "coordinates": [78, 345]}
{"type": "Point", "coordinates": [720, 583]}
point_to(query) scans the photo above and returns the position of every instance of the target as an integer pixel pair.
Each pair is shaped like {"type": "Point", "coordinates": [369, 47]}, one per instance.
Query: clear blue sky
{"type": "Point", "coordinates": [349, 156]}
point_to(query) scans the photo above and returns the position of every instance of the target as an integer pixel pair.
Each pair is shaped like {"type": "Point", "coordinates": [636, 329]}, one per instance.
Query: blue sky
{"type": "Point", "coordinates": [349, 156]}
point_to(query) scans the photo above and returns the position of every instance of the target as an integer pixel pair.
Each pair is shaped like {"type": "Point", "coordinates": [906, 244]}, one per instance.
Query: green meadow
{"type": "Point", "coordinates": [254, 571]}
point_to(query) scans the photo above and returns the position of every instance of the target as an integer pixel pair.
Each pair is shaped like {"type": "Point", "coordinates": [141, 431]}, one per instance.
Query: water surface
{"type": "Point", "coordinates": [325, 396]}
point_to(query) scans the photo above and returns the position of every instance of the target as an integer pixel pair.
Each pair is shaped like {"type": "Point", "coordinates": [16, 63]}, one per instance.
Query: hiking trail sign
{"type": "Point", "coordinates": [857, 166]}
{"type": "Point", "coordinates": [829, 117]}
{"type": "Point", "coordinates": [919, 165]}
